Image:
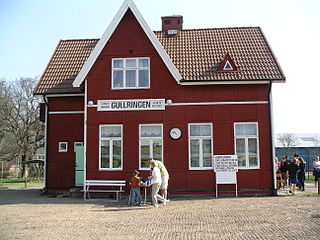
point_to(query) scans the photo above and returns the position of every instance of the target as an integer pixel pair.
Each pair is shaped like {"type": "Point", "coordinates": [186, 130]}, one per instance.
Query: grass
{"type": "Point", "coordinates": [14, 183]}
{"type": "Point", "coordinates": [310, 178]}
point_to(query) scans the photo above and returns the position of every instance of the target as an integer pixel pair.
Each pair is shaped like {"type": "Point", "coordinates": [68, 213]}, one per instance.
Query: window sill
{"type": "Point", "coordinates": [110, 169]}
{"type": "Point", "coordinates": [207, 168]}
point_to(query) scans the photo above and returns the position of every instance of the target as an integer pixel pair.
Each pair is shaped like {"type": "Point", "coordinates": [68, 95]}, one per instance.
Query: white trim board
{"type": "Point", "coordinates": [205, 103]}
{"type": "Point", "coordinates": [127, 4]}
{"type": "Point", "coordinates": [218, 103]}
{"type": "Point", "coordinates": [67, 112]}
{"type": "Point", "coordinates": [65, 95]}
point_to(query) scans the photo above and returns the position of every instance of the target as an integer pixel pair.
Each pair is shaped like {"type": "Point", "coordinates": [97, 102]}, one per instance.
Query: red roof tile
{"type": "Point", "coordinates": [64, 65]}
{"type": "Point", "coordinates": [196, 54]}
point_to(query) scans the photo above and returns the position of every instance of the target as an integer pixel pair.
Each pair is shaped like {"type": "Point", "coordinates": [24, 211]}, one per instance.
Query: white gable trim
{"type": "Point", "coordinates": [108, 33]}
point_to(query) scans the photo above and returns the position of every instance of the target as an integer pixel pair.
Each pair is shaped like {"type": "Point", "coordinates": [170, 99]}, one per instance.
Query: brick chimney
{"type": "Point", "coordinates": [171, 24]}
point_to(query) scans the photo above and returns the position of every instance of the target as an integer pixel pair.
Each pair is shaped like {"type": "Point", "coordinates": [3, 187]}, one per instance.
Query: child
{"type": "Point", "coordinates": [135, 189]}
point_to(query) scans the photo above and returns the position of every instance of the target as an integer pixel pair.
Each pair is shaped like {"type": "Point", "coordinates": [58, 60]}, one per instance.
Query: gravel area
{"type": "Point", "coordinates": [25, 214]}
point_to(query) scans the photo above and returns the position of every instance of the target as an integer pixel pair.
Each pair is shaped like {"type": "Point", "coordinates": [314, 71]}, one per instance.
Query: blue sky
{"type": "Point", "coordinates": [31, 29]}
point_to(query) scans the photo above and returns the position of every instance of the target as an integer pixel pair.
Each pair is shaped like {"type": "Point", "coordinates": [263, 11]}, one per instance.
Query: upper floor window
{"type": "Point", "coordinates": [130, 73]}
{"type": "Point", "coordinates": [247, 144]}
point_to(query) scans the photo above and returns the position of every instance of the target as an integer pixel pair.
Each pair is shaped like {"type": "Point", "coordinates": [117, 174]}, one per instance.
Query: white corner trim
{"type": "Point", "coordinates": [128, 4]}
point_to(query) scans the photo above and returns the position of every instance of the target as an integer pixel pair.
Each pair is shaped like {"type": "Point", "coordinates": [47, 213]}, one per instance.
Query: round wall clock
{"type": "Point", "coordinates": [175, 133]}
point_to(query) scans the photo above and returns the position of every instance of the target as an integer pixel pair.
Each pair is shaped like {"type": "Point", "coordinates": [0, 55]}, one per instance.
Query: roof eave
{"type": "Point", "coordinates": [233, 81]}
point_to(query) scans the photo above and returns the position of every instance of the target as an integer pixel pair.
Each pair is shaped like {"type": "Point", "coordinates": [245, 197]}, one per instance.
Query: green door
{"type": "Point", "coordinates": [79, 165]}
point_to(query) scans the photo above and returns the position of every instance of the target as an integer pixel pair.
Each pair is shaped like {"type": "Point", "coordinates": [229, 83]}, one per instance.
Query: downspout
{"type": "Point", "coordinates": [272, 138]}
{"type": "Point", "coordinates": [46, 143]}
{"type": "Point", "coordinates": [85, 135]}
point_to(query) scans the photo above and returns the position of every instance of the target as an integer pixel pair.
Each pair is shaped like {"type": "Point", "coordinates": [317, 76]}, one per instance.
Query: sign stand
{"type": "Point", "coordinates": [226, 168]}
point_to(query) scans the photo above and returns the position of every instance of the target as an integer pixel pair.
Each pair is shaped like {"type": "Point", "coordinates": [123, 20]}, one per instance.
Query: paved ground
{"type": "Point", "coordinates": [25, 214]}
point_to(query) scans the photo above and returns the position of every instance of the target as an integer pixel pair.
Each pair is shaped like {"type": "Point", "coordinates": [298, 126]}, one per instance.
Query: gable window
{"type": "Point", "coordinates": [130, 73]}
{"type": "Point", "coordinates": [63, 147]}
{"type": "Point", "coordinates": [110, 147]}
{"type": "Point", "coordinates": [151, 142]}
{"type": "Point", "coordinates": [227, 66]}
{"type": "Point", "coordinates": [247, 144]}
{"type": "Point", "coordinates": [200, 146]}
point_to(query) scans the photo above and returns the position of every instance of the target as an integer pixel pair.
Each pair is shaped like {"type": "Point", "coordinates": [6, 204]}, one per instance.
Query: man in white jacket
{"type": "Point", "coordinates": [155, 186]}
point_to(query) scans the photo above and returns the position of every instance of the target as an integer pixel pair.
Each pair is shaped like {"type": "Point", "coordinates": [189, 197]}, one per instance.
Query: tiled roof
{"type": "Point", "coordinates": [196, 54]}
{"type": "Point", "coordinates": [64, 65]}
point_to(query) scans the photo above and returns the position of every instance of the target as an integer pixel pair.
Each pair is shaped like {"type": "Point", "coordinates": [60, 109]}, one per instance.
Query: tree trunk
{"type": "Point", "coordinates": [23, 164]}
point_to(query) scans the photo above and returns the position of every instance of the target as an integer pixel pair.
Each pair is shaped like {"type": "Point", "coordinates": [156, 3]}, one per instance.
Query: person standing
{"type": "Point", "coordinates": [164, 178]}
{"type": "Point", "coordinates": [292, 171]}
{"type": "Point", "coordinates": [301, 173]}
{"type": "Point", "coordinates": [135, 195]}
{"type": "Point", "coordinates": [316, 170]}
{"type": "Point", "coordinates": [284, 170]}
{"type": "Point", "coordinates": [155, 185]}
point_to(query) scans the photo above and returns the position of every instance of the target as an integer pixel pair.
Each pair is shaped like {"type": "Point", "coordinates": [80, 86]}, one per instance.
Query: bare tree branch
{"type": "Point", "coordinates": [288, 139]}
{"type": "Point", "coordinates": [19, 119]}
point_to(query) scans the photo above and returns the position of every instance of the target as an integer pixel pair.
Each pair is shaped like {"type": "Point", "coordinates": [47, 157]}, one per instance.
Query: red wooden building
{"type": "Point", "coordinates": [180, 96]}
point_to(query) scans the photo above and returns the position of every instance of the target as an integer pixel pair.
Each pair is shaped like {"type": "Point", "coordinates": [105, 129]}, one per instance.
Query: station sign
{"type": "Point", "coordinates": [131, 105]}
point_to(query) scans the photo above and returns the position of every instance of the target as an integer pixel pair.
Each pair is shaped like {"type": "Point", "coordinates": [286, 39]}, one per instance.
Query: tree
{"type": "Point", "coordinates": [316, 141]}
{"type": "Point", "coordinates": [288, 139]}
{"type": "Point", "coordinates": [19, 118]}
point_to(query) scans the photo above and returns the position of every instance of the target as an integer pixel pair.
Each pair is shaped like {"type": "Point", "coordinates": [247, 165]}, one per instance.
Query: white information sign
{"type": "Point", "coordinates": [226, 168]}
{"type": "Point", "coordinates": [226, 163]}
{"type": "Point", "coordinates": [131, 104]}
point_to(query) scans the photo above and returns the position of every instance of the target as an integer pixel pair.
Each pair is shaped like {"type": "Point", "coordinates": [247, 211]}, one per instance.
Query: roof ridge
{"type": "Point", "coordinates": [79, 39]}
{"type": "Point", "coordinates": [199, 29]}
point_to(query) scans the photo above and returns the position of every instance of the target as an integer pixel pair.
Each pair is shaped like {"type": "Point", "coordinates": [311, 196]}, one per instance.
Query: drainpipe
{"type": "Point", "coordinates": [46, 122]}
{"type": "Point", "coordinates": [272, 139]}
{"type": "Point", "coordinates": [85, 134]}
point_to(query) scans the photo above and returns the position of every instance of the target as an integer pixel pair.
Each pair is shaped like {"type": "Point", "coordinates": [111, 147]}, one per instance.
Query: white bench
{"type": "Point", "coordinates": [113, 186]}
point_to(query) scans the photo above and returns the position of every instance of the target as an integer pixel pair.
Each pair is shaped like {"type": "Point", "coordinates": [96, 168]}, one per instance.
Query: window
{"type": "Point", "coordinates": [76, 144]}
{"type": "Point", "coordinates": [151, 142]}
{"type": "Point", "coordinates": [200, 146]}
{"type": "Point", "coordinates": [40, 156]}
{"type": "Point", "coordinates": [110, 147]}
{"type": "Point", "coordinates": [130, 73]}
{"type": "Point", "coordinates": [63, 147]}
{"type": "Point", "coordinates": [247, 145]}
{"type": "Point", "coordinates": [227, 66]}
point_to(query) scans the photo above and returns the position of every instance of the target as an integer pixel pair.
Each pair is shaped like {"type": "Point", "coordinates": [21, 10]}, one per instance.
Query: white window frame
{"type": "Point", "coordinates": [111, 153]}
{"type": "Point", "coordinates": [201, 138]}
{"type": "Point", "coordinates": [77, 144]}
{"type": "Point", "coordinates": [63, 149]}
{"type": "Point", "coordinates": [137, 68]}
{"type": "Point", "coordinates": [246, 137]}
{"type": "Point", "coordinates": [150, 143]}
